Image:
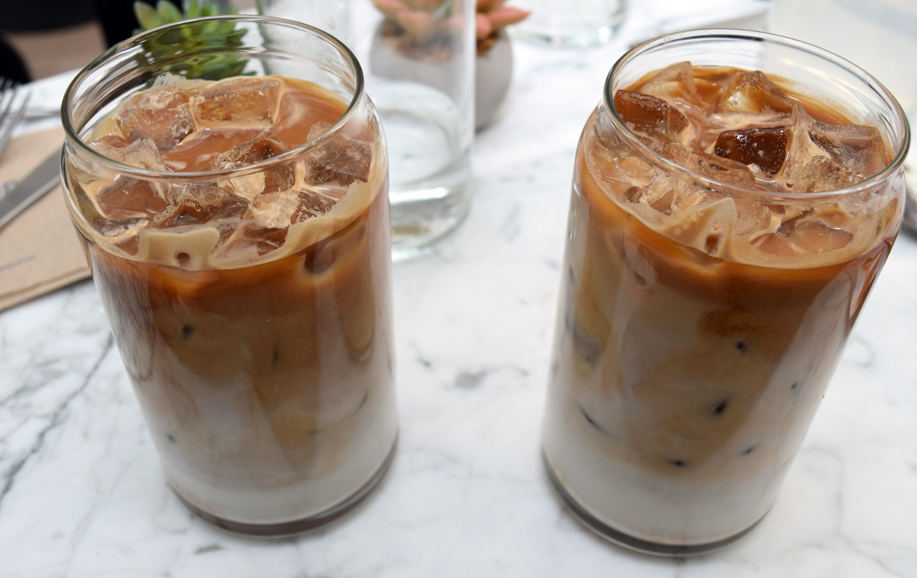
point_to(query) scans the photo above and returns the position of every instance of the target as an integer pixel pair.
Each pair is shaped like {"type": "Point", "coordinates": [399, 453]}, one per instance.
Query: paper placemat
{"type": "Point", "coordinates": [39, 249]}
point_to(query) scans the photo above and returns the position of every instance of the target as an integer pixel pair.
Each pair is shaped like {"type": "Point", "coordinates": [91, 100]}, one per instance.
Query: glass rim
{"type": "Point", "coordinates": [870, 81]}
{"type": "Point", "coordinates": [69, 101]}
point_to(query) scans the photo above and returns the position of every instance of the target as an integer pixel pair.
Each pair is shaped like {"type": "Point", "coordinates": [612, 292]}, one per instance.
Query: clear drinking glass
{"type": "Point", "coordinates": [248, 290]}
{"type": "Point", "coordinates": [419, 58]}
{"type": "Point", "coordinates": [569, 23]}
{"type": "Point", "coordinates": [422, 82]}
{"type": "Point", "coordinates": [700, 318]}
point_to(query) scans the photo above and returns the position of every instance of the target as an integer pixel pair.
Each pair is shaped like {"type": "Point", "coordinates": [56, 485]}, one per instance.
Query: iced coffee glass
{"type": "Point", "coordinates": [228, 180]}
{"type": "Point", "coordinates": [735, 195]}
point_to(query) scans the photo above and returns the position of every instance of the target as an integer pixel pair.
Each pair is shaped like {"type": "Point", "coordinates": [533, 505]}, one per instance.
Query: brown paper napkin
{"type": "Point", "coordinates": [39, 250]}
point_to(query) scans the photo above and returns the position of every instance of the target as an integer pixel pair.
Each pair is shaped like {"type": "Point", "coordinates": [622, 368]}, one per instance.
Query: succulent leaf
{"type": "Point", "coordinates": [168, 12]}
{"type": "Point", "coordinates": [146, 15]}
{"type": "Point", "coordinates": [194, 50]}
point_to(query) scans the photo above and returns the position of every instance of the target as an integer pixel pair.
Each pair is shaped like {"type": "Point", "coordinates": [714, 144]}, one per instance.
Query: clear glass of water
{"type": "Point", "coordinates": [419, 63]}
{"type": "Point", "coordinates": [569, 23]}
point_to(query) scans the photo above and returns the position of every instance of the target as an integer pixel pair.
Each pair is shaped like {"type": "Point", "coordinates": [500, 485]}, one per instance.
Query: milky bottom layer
{"type": "Point", "coordinates": [268, 389]}
{"type": "Point", "coordinates": [643, 504]}
{"type": "Point", "coordinates": [683, 384]}
{"type": "Point", "coordinates": [281, 495]}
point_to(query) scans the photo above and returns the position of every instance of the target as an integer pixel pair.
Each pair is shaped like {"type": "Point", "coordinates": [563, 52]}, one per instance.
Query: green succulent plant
{"type": "Point", "coordinates": [193, 50]}
{"type": "Point", "coordinates": [165, 12]}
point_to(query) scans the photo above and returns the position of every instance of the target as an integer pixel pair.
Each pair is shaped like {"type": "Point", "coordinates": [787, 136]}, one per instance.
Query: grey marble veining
{"type": "Point", "coordinates": [82, 493]}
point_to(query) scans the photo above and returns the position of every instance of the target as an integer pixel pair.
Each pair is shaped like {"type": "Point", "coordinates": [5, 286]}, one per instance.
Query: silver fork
{"type": "Point", "coordinates": [13, 106]}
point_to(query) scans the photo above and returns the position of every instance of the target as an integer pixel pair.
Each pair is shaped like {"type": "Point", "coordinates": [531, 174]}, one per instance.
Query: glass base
{"type": "Point", "coordinates": [563, 39]}
{"type": "Point", "coordinates": [628, 541]}
{"type": "Point", "coordinates": [297, 526]}
{"type": "Point", "coordinates": [582, 24]}
{"type": "Point", "coordinates": [421, 222]}
{"type": "Point", "coordinates": [429, 151]}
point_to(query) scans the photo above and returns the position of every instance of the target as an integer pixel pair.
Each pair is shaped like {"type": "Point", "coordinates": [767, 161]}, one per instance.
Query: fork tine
{"type": "Point", "coordinates": [10, 117]}
{"type": "Point", "coordinates": [18, 114]}
{"type": "Point", "coordinates": [7, 96]}
{"type": "Point", "coordinates": [6, 99]}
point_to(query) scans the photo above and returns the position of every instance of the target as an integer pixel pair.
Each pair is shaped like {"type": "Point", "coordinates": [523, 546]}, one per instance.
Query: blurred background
{"type": "Point", "coordinates": [44, 38]}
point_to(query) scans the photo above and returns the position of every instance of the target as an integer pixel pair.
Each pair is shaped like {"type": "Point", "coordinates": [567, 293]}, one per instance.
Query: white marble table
{"type": "Point", "coordinates": [82, 494]}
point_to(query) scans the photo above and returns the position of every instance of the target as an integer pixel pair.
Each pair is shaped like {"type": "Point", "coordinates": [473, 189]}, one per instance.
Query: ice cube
{"type": "Point", "coordinates": [606, 133]}
{"type": "Point", "coordinates": [764, 147]}
{"type": "Point", "coordinates": [130, 198]}
{"type": "Point", "coordinates": [249, 236]}
{"type": "Point", "coordinates": [264, 146]}
{"type": "Point", "coordinates": [754, 92]}
{"type": "Point", "coordinates": [673, 83]}
{"type": "Point", "coordinates": [121, 232]}
{"type": "Point", "coordinates": [141, 154]}
{"type": "Point", "coordinates": [689, 193]}
{"type": "Point", "coordinates": [659, 194]}
{"type": "Point", "coordinates": [825, 156]}
{"type": "Point", "coordinates": [264, 239]}
{"type": "Point", "coordinates": [672, 193]}
{"type": "Point", "coordinates": [710, 166]}
{"type": "Point", "coordinates": [808, 233]}
{"type": "Point", "coordinates": [160, 114]}
{"type": "Point", "coordinates": [273, 210]}
{"type": "Point", "coordinates": [705, 224]}
{"type": "Point", "coordinates": [822, 174]}
{"type": "Point", "coordinates": [652, 119]}
{"type": "Point", "coordinates": [242, 101]}
{"type": "Point", "coordinates": [859, 149]}
{"type": "Point", "coordinates": [611, 163]}
{"type": "Point", "coordinates": [267, 240]}
{"type": "Point", "coordinates": [752, 216]}
{"type": "Point", "coordinates": [317, 129]}
{"type": "Point", "coordinates": [341, 160]}
{"type": "Point", "coordinates": [619, 173]}
{"type": "Point", "coordinates": [268, 180]}
{"type": "Point", "coordinates": [312, 204]}
{"type": "Point", "coordinates": [198, 205]}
